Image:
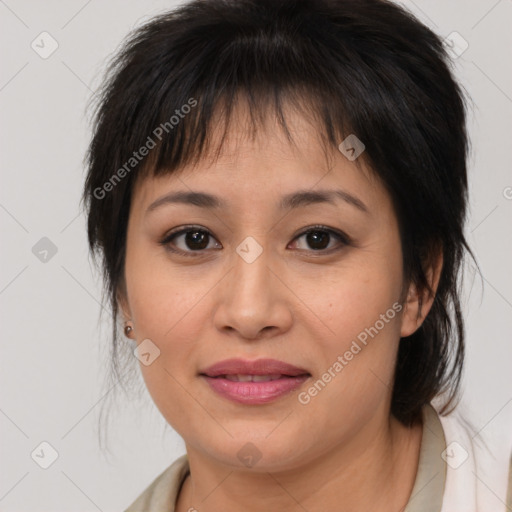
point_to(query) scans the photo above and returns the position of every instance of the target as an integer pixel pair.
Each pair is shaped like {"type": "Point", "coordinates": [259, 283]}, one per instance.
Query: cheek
{"type": "Point", "coordinates": [168, 308]}
{"type": "Point", "coordinates": [170, 311]}
{"type": "Point", "coordinates": [360, 307]}
{"type": "Point", "coordinates": [355, 365]}
{"type": "Point", "coordinates": [364, 327]}
{"type": "Point", "coordinates": [354, 296]}
{"type": "Point", "coordinates": [163, 296]}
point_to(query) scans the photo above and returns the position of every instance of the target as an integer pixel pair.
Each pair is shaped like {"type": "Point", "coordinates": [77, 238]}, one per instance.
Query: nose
{"type": "Point", "coordinates": [253, 301]}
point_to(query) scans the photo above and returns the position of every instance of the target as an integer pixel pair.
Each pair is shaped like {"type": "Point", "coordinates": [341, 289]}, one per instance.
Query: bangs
{"type": "Point", "coordinates": [168, 90]}
{"type": "Point", "coordinates": [201, 135]}
{"type": "Point", "coordinates": [175, 114]}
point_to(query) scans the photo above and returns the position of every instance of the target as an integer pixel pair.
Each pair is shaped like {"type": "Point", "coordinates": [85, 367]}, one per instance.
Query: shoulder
{"type": "Point", "coordinates": [161, 494]}
{"type": "Point", "coordinates": [477, 466]}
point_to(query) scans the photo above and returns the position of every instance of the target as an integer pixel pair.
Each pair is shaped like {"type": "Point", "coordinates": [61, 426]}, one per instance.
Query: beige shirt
{"type": "Point", "coordinates": [426, 496]}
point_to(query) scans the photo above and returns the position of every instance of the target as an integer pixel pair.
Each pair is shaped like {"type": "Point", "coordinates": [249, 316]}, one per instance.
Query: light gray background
{"type": "Point", "coordinates": [53, 353]}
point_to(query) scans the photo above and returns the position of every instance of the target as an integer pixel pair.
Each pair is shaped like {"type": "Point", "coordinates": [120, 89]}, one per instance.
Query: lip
{"type": "Point", "coordinates": [254, 393]}
{"type": "Point", "coordinates": [255, 367]}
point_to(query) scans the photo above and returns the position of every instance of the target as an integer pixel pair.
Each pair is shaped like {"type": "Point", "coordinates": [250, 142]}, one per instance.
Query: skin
{"type": "Point", "coordinates": [341, 451]}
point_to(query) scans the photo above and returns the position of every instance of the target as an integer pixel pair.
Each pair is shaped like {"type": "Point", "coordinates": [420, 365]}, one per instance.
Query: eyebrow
{"type": "Point", "coordinates": [291, 201]}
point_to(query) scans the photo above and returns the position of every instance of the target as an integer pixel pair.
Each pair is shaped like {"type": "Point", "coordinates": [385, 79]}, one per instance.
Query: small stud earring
{"type": "Point", "coordinates": [127, 330]}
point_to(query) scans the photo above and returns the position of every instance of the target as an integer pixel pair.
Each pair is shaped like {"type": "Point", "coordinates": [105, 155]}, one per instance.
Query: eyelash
{"type": "Point", "coordinates": [339, 235]}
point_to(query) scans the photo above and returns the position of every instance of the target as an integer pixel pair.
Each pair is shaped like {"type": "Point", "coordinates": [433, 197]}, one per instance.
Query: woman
{"type": "Point", "coordinates": [278, 191]}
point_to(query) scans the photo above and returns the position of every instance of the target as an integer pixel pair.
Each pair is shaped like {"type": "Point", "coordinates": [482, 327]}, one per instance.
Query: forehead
{"type": "Point", "coordinates": [268, 159]}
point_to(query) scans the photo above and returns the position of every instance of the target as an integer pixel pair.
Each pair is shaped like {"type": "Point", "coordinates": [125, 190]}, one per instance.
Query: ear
{"type": "Point", "coordinates": [418, 303]}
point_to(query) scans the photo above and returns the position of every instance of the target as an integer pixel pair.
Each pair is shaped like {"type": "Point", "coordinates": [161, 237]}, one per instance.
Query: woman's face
{"type": "Point", "coordinates": [251, 285]}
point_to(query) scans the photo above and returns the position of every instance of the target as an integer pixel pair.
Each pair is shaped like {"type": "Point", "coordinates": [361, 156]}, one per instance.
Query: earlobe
{"type": "Point", "coordinates": [128, 330]}
{"type": "Point", "coordinates": [122, 302]}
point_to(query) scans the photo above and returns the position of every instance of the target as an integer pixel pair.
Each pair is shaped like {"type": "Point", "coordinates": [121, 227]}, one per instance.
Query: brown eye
{"type": "Point", "coordinates": [320, 238]}
{"type": "Point", "coordinates": [193, 239]}
{"type": "Point", "coordinates": [188, 240]}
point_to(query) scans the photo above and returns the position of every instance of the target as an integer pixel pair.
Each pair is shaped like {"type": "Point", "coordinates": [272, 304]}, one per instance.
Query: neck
{"type": "Point", "coordinates": [379, 465]}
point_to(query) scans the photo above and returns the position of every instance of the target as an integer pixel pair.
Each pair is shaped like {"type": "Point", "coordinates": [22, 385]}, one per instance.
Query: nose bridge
{"type": "Point", "coordinates": [251, 274]}
{"type": "Point", "coordinates": [252, 299]}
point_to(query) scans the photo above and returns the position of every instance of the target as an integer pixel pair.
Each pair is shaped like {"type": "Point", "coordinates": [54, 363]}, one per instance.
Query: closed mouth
{"type": "Point", "coordinates": [258, 370]}
{"type": "Point", "coordinates": [256, 378]}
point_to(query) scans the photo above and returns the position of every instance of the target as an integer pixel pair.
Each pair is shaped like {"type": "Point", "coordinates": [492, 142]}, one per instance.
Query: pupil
{"type": "Point", "coordinates": [196, 239]}
{"type": "Point", "coordinates": [316, 238]}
